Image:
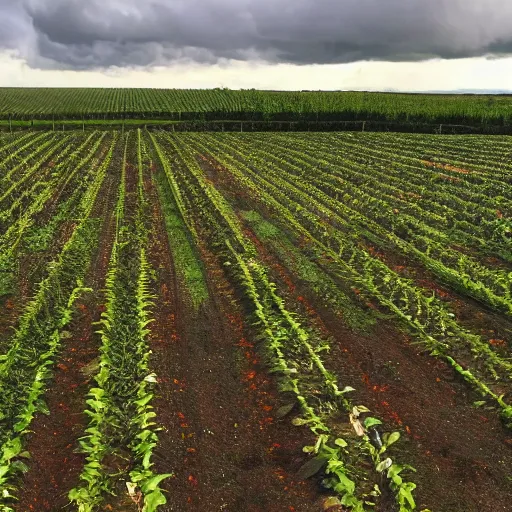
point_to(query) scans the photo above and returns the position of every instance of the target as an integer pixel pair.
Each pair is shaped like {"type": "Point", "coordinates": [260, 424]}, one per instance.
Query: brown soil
{"type": "Point", "coordinates": [55, 462]}
{"type": "Point", "coordinates": [9, 312]}
{"type": "Point", "coordinates": [216, 403]}
{"type": "Point", "coordinates": [448, 167]}
{"type": "Point", "coordinates": [461, 454]}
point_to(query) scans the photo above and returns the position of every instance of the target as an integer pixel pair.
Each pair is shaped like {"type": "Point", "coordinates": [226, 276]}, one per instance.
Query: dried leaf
{"type": "Point", "coordinates": [358, 427]}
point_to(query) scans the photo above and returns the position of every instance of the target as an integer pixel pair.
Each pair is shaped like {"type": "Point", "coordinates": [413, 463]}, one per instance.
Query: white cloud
{"type": "Point", "coordinates": [474, 73]}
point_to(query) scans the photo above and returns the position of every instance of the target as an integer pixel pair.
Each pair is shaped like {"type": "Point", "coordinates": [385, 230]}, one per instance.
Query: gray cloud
{"type": "Point", "coordinates": [78, 34]}
{"type": "Point", "coordinates": [14, 24]}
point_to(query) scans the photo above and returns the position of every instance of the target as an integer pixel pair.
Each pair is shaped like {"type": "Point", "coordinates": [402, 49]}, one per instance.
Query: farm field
{"type": "Point", "coordinates": [255, 322]}
{"type": "Point", "coordinates": [66, 104]}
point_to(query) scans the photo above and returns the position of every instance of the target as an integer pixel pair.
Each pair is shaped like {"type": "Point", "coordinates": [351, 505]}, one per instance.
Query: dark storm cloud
{"type": "Point", "coordinates": [14, 24]}
{"type": "Point", "coordinates": [89, 34]}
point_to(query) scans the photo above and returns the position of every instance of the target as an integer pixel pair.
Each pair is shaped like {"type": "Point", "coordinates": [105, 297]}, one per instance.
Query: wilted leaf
{"type": "Point", "coordinates": [330, 502]}
{"type": "Point", "coordinates": [357, 425]}
{"type": "Point", "coordinates": [299, 422]}
{"type": "Point", "coordinates": [132, 487]}
{"type": "Point", "coordinates": [358, 409]}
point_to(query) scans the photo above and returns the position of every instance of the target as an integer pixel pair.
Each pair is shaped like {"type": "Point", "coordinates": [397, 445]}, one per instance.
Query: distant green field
{"type": "Point", "coordinates": [190, 104]}
{"type": "Point", "coordinates": [77, 123]}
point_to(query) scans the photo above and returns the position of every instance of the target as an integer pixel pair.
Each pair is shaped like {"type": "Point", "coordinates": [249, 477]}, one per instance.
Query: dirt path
{"type": "Point", "coordinates": [55, 463]}
{"type": "Point", "coordinates": [216, 402]}
{"type": "Point", "coordinates": [462, 454]}
{"type": "Point", "coordinates": [10, 308]}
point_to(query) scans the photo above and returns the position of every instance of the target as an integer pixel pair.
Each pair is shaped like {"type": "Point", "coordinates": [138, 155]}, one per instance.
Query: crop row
{"type": "Point", "coordinates": [466, 211]}
{"type": "Point", "coordinates": [336, 197]}
{"type": "Point", "coordinates": [28, 364]}
{"type": "Point", "coordinates": [449, 187]}
{"type": "Point", "coordinates": [365, 213]}
{"type": "Point", "coordinates": [13, 149]}
{"type": "Point", "coordinates": [61, 193]}
{"type": "Point", "coordinates": [355, 209]}
{"type": "Point", "coordinates": [291, 351]}
{"type": "Point", "coordinates": [429, 318]}
{"type": "Point", "coordinates": [121, 419]}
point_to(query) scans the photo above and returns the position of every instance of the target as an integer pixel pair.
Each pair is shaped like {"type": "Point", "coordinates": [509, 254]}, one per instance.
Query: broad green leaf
{"type": "Point", "coordinates": [153, 500]}
{"type": "Point", "coordinates": [152, 483]}
{"type": "Point", "coordinates": [144, 400]}
{"type": "Point", "coordinates": [391, 438]}
{"type": "Point", "coordinates": [12, 448]}
{"type": "Point", "coordinates": [371, 422]}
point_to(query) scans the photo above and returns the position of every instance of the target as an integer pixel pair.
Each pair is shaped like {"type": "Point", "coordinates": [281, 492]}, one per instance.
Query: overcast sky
{"type": "Point", "coordinates": [283, 44]}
